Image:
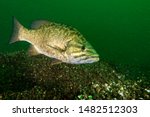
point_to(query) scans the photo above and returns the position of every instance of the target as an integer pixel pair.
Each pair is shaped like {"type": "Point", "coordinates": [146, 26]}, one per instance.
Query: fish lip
{"type": "Point", "coordinates": [94, 58]}
{"type": "Point", "coordinates": [97, 59]}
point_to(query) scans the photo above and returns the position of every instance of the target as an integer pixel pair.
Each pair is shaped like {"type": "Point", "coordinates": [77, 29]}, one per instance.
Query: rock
{"type": "Point", "coordinates": [26, 77]}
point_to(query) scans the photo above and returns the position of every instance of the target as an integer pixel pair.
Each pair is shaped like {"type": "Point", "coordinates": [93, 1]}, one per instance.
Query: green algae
{"type": "Point", "coordinates": [26, 77]}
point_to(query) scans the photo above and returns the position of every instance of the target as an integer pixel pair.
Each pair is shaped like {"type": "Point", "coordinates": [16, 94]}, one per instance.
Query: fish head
{"type": "Point", "coordinates": [81, 52]}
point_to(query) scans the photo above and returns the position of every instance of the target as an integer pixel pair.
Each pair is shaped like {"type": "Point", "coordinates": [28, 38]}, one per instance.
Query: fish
{"type": "Point", "coordinates": [60, 42]}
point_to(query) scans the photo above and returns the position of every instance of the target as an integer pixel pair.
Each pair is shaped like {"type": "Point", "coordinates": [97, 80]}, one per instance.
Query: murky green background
{"type": "Point", "coordinates": [118, 29]}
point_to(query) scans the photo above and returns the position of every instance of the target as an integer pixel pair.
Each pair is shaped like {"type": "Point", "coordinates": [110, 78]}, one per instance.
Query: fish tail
{"type": "Point", "coordinates": [16, 36]}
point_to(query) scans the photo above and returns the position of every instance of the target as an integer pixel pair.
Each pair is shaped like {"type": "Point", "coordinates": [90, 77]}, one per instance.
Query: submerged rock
{"type": "Point", "coordinates": [26, 77]}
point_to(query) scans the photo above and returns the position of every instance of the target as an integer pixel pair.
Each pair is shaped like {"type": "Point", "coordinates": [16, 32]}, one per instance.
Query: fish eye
{"type": "Point", "coordinates": [83, 48]}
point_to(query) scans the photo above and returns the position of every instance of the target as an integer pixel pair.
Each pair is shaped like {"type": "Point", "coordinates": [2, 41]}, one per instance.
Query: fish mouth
{"type": "Point", "coordinates": [92, 54]}
{"type": "Point", "coordinates": [94, 58]}
{"type": "Point", "coordinates": [89, 59]}
{"type": "Point", "coordinates": [85, 59]}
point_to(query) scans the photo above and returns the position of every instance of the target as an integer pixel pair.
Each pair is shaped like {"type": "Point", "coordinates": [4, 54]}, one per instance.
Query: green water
{"type": "Point", "coordinates": [118, 29]}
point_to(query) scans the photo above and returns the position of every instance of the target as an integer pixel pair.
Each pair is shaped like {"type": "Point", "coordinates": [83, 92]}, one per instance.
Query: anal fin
{"type": "Point", "coordinates": [55, 61]}
{"type": "Point", "coordinates": [33, 51]}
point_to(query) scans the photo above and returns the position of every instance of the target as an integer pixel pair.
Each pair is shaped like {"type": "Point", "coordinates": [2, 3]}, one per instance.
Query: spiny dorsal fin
{"type": "Point", "coordinates": [33, 51]}
{"type": "Point", "coordinates": [37, 24]}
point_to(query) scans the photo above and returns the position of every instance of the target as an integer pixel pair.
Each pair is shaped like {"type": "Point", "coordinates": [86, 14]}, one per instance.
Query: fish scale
{"type": "Point", "coordinates": [61, 42]}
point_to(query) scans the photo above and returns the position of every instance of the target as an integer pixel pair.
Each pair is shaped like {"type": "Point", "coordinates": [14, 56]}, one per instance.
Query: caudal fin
{"type": "Point", "coordinates": [16, 31]}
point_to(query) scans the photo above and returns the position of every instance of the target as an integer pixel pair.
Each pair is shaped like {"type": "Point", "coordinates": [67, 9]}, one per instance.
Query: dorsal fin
{"type": "Point", "coordinates": [37, 24]}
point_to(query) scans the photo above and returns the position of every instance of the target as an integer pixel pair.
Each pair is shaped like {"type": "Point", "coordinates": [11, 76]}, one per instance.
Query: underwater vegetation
{"type": "Point", "coordinates": [33, 77]}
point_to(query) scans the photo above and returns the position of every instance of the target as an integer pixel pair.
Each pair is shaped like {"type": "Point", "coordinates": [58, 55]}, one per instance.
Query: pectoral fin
{"type": "Point", "coordinates": [33, 51]}
{"type": "Point", "coordinates": [55, 61]}
{"type": "Point", "coordinates": [59, 48]}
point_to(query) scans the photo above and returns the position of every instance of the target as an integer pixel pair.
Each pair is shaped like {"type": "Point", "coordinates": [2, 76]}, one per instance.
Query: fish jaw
{"type": "Point", "coordinates": [85, 59]}
{"type": "Point", "coordinates": [81, 58]}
